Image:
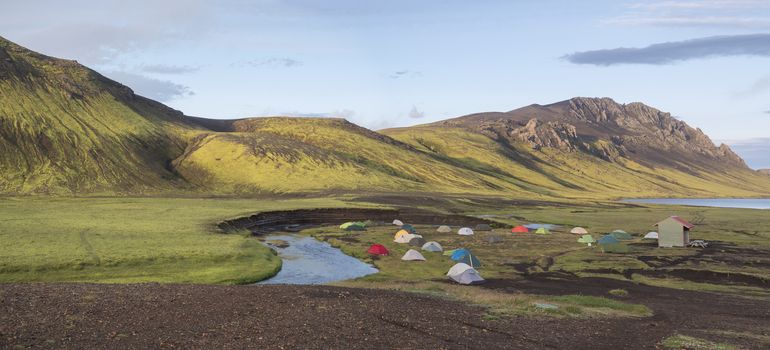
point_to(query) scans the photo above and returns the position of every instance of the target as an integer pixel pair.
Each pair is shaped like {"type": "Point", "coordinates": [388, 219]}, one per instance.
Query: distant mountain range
{"type": "Point", "coordinates": [66, 129]}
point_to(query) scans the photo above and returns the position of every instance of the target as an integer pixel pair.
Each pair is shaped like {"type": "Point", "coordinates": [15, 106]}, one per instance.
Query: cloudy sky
{"type": "Point", "coordinates": [403, 62]}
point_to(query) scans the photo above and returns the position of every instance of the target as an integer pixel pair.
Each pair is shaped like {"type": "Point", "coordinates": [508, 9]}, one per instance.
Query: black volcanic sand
{"type": "Point", "coordinates": [92, 316]}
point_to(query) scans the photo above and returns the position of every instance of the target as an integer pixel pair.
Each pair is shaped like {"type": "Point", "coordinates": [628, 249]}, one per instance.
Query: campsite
{"type": "Point", "coordinates": [337, 174]}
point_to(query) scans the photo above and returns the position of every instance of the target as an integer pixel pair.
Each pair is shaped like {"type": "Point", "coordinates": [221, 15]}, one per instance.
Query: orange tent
{"type": "Point", "coordinates": [520, 229]}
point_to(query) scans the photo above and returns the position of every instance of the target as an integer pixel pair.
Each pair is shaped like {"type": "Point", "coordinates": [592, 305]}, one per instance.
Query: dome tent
{"type": "Point", "coordinates": [579, 231]}
{"type": "Point", "coordinates": [587, 239]}
{"type": "Point", "coordinates": [543, 231]}
{"type": "Point", "coordinates": [621, 235]}
{"type": "Point", "coordinates": [465, 256]}
{"type": "Point", "coordinates": [408, 228]}
{"type": "Point", "coordinates": [458, 269]}
{"type": "Point", "coordinates": [398, 222]}
{"type": "Point", "coordinates": [416, 241]}
{"type": "Point", "coordinates": [444, 229]}
{"type": "Point", "coordinates": [413, 255]}
{"type": "Point", "coordinates": [406, 238]}
{"type": "Point", "coordinates": [400, 233]}
{"type": "Point", "coordinates": [468, 276]}
{"type": "Point", "coordinates": [465, 231]}
{"type": "Point", "coordinates": [651, 235]}
{"type": "Point", "coordinates": [520, 229]}
{"type": "Point", "coordinates": [378, 249]}
{"type": "Point", "coordinates": [432, 247]}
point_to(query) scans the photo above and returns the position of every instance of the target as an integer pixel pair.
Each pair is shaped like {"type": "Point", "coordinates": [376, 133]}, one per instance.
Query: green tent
{"type": "Point", "coordinates": [621, 235]}
{"type": "Point", "coordinates": [587, 239]}
{"type": "Point", "coordinates": [543, 231]}
{"type": "Point", "coordinates": [408, 228]}
{"type": "Point", "coordinates": [353, 226]}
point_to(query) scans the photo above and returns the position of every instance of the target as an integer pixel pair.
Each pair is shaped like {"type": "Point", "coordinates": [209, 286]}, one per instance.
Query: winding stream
{"type": "Point", "coordinates": [307, 260]}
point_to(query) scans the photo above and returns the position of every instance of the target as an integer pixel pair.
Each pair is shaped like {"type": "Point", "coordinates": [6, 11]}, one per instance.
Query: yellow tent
{"type": "Point", "coordinates": [400, 233]}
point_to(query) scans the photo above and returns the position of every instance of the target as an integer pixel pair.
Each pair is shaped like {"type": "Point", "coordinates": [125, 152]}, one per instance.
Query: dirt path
{"type": "Point", "coordinates": [193, 316]}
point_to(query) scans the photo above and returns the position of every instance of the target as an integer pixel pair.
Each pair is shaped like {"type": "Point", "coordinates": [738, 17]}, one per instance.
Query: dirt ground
{"type": "Point", "coordinates": [91, 316]}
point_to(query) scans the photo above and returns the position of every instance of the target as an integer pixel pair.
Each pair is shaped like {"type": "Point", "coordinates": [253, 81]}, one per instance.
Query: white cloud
{"type": "Point", "coordinates": [746, 14]}
{"type": "Point", "coordinates": [415, 113]}
{"type": "Point", "coordinates": [160, 90]}
{"type": "Point", "coordinates": [168, 69]}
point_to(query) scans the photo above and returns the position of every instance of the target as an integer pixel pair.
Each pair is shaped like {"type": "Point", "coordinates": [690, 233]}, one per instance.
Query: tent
{"type": "Point", "coordinates": [651, 235]}
{"type": "Point", "coordinates": [378, 249]}
{"type": "Point", "coordinates": [353, 226]}
{"type": "Point", "coordinates": [483, 227]}
{"type": "Point", "coordinates": [405, 238]}
{"type": "Point", "coordinates": [408, 228]}
{"type": "Point", "coordinates": [458, 269]}
{"type": "Point", "coordinates": [398, 222]}
{"type": "Point", "coordinates": [607, 239]}
{"type": "Point", "coordinates": [400, 233]}
{"type": "Point", "coordinates": [587, 239]}
{"type": "Point", "coordinates": [467, 277]}
{"type": "Point", "coordinates": [621, 235]}
{"type": "Point", "coordinates": [520, 229]}
{"type": "Point", "coordinates": [495, 239]}
{"type": "Point", "coordinates": [579, 231]}
{"type": "Point", "coordinates": [417, 241]}
{"type": "Point", "coordinates": [465, 256]}
{"type": "Point", "coordinates": [413, 255]}
{"type": "Point", "coordinates": [449, 252]}
{"type": "Point", "coordinates": [543, 231]}
{"type": "Point", "coordinates": [465, 231]}
{"type": "Point", "coordinates": [444, 229]}
{"type": "Point", "coordinates": [432, 247]}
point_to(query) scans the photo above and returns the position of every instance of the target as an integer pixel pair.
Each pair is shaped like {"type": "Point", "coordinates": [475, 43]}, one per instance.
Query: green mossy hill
{"type": "Point", "coordinates": [67, 129]}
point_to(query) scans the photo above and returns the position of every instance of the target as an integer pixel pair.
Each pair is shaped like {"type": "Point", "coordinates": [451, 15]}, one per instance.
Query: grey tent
{"type": "Point", "coordinates": [483, 227]}
{"type": "Point", "coordinates": [417, 242]}
{"type": "Point", "coordinates": [469, 276]}
{"type": "Point", "coordinates": [413, 255]}
{"type": "Point", "coordinates": [444, 229]}
{"type": "Point", "coordinates": [432, 247]}
{"type": "Point", "coordinates": [495, 239]}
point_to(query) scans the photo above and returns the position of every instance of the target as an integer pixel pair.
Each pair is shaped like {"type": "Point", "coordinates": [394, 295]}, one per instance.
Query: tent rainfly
{"type": "Point", "coordinates": [432, 247]}
{"type": "Point", "coordinates": [651, 235]}
{"type": "Point", "coordinates": [408, 228]}
{"type": "Point", "coordinates": [412, 255]}
{"type": "Point", "coordinates": [543, 231]}
{"type": "Point", "coordinates": [378, 249]}
{"type": "Point", "coordinates": [417, 241]}
{"type": "Point", "coordinates": [674, 232]}
{"type": "Point", "coordinates": [587, 239]}
{"type": "Point", "coordinates": [449, 252]}
{"type": "Point", "coordinates": [465, 256]}
{"type": "Point", "coordinates": [398, 222]}
{"type": "Point", "coordinates": [520, 229]}
{"type": "Point", "coordinates": [458, 269]}
{"type": "Point", "coordinates": [465, 231]}
{"type": "Point", "coordinates": [467, 277]}
{"type": "Point", "coordinates": [406, 238]}
{"type": "Point", "coordinates": [444, 229]}
{"type": "Point", "coordinates": [400, 233]}
{"type": "Point", "coordinates": [621, 235]}
{"type": "Point", "coordinates": [579, 231]}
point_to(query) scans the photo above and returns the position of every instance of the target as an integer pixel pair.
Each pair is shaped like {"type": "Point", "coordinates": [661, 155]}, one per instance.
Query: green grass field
{"type": "Point", "coordinates": [121, 240]}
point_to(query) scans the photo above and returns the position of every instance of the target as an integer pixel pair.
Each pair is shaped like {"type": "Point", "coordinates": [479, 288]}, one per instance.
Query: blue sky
{"type": "Point", "coordinates": [396, 63]}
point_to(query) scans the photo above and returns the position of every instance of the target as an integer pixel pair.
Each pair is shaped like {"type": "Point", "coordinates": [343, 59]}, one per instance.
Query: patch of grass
{"type": "Point", "coordinates": [684, 342]}
{"type": "Point", "coordinates": [603, 305]}
{"type": "Point", "coordinates": [122, 240]}
{"type": "Point", "coordinates": [619, 292]}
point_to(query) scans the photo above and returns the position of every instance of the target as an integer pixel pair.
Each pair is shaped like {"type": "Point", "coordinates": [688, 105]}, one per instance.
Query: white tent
{"type": "Point", "coordinates": [398, 222]}
{"type": "Point", "coordinates": [413, 255]}
{"type": "Point", "coordinates": [406, 238]}
{"type": "Point", "coordinates": [465, 231]}
{"type": "Point", "coordinates": [469, 276]}
{"type": "Point", "coordinates": [432, 247]}
{"type": "Point", "coordinates": [579, 231]}
{"type": "Point", "coordinates": [651, 235]}
{"type": "Point", "coordinates": [458, 269]}
{"type": "Point", "coordinates": [444, 229]}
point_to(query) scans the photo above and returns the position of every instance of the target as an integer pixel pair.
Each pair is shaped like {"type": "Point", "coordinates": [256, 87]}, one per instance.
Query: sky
{"type": "Point", "coordinates": [403, 62]}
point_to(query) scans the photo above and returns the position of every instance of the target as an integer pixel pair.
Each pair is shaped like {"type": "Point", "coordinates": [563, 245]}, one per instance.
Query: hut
{"type": "Point", "coordinates": [674, 232]}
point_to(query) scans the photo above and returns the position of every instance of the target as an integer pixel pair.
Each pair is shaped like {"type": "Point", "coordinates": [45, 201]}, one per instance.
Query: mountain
{"type": "Point", "coordinates": [66, 129]}
{"type": "Point", "coordinates": [764, 171]}
{"type": "Point", "coordinates": [590, 146]}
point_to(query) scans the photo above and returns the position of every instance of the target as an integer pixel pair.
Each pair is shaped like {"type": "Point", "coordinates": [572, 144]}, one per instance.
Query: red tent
{"type": "Point", "coordinates": [378, 249]}
{"type": "Point", "coordinates": [520, 229]}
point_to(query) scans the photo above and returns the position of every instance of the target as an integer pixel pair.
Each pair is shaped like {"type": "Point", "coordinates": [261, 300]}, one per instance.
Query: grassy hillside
{"type": "Point", "coordinates": [575, 174]}
{"type": "Point", "coordinates": [66, 129]}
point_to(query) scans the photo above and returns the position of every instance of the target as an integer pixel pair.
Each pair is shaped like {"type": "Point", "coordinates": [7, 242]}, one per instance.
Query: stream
{"type": "Point", "coordinates": [307, 260]}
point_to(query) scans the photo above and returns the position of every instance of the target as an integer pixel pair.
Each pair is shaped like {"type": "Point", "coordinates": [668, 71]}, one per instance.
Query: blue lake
{"type": "Point", "coordinates": [744, 203]}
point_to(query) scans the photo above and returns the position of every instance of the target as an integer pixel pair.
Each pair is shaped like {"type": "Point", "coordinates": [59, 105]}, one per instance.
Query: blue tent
{"type": "Point", "coordinates": [464, 255]}
{"type": "Point", "coordinates": [408, 228]}
{"type": "Point", "coordinates": [607, 239]}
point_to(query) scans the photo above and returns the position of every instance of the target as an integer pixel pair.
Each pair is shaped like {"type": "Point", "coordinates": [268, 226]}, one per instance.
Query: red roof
{"type": "Point", "coordinates": [684, 222]}
{"type": "Point", "coordinates": [378, 249]}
